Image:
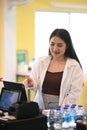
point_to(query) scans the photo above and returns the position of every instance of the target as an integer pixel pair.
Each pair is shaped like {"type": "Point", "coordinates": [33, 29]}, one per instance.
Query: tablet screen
{"type": "Point", "coordinates": [8, 97]}
{"type": "Point", "coordinates": [16, 86]}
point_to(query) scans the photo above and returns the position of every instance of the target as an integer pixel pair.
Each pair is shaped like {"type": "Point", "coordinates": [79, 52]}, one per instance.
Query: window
{"type": "Point", "coordinates": [75, 23]}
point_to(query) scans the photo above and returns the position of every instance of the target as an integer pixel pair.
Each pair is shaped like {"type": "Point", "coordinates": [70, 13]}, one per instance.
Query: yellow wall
{"type": "Point", "coordinates": [82, 100]}
{"type": "Point", "coordinates": [25, 30]}
{"type": "Point", "coordinates": [25, 22]}
{"type": "Point", "coordinates": [1, 32]}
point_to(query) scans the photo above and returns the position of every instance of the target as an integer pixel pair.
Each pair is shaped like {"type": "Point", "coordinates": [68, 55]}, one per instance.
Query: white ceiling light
{"type": "Point", "coordinates": [68, 5]}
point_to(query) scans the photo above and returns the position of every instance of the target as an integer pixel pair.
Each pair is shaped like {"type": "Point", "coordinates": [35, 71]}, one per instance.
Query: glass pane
{"type": "Point", "coordinates": [45, 23]}
{"type": "Point", "coordinates": [78, 25]}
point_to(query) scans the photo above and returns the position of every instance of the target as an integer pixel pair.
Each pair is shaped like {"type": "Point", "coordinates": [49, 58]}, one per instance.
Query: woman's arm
{"type": "Point", "coordinates": [75, 88]}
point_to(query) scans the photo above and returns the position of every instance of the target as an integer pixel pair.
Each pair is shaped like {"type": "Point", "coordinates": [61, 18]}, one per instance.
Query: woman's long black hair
{"type": "Point", "coordinates": [65, 36]}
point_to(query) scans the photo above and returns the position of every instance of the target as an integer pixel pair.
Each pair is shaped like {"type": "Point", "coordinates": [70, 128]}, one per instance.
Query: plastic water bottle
{"type": "Point", "coordinates": [80, 113]}
{"type": "Point", "coordinates": [65, 114]}
{"type": "Point", "coordinates": [58, 118]}
{"type": "Point", "coordinates": [74, 105]}
{"type": "Point", "coordinates": [67, 106]}
{"type": "Point", "coordinates": [50, 117]}
{"type": "Point", "coordinates": [72, 114]}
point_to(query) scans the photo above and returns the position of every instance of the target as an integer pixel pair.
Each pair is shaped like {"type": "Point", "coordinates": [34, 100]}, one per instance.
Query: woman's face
{"type": "Point", "coordinates": [57, 47]}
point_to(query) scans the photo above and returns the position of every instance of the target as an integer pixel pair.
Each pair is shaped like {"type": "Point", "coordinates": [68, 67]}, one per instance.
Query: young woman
{"type": "Point", "coordinates": [57, 78]}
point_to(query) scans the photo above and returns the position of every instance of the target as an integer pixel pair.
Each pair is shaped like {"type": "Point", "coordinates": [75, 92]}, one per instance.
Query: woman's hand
{"type": "Point", "coordinates": [28, 82]}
